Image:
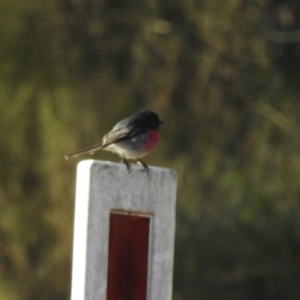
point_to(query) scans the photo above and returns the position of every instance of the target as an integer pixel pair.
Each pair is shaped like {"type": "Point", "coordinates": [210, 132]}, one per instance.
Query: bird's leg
{"type": "Point", "coordinates": [125, 161]}
{"type": "Point", "coordinates": [141, 163]}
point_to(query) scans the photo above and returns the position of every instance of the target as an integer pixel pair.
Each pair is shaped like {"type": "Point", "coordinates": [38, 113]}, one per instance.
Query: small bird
{"type": "Point", "coordinates": [131, 138]}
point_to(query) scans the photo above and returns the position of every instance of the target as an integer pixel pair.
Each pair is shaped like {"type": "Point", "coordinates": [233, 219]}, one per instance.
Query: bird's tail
{"type": "Point", "coordinates": [90, 150]}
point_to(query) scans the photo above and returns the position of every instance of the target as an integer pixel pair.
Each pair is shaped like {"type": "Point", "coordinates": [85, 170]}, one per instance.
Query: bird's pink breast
{"type": "Point", "coordinates": [152, 140]}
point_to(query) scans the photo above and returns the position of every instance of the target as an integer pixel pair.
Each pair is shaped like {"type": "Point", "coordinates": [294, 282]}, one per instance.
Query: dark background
{"type": "Point", "coordinates": [224, 75]}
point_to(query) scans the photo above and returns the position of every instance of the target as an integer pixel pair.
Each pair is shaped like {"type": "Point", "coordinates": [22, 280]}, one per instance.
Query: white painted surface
{"type": "Point", "coordinates": [105, 186]}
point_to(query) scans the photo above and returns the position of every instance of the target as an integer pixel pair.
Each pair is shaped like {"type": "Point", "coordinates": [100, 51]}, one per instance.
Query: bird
{"type": "Point", "coordinates": [131, 138]}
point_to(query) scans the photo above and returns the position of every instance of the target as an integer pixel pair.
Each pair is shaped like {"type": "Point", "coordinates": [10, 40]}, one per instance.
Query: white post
{"type": "Point", "coordinates": [103, 189]}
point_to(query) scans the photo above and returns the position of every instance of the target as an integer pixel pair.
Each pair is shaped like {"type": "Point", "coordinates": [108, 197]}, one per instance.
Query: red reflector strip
{"type": "Point", "coordinates": [128, 257]}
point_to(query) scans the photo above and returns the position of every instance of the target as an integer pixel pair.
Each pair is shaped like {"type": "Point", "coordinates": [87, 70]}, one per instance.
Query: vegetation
{"type": "Point", "coordinates": [224, 75]}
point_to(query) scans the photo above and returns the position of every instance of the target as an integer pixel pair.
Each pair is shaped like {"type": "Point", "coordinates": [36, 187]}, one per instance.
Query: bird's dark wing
{"type": "Point", "coordinates": [115, 135]}
{"type": "Point", "coordinates": [120, 131]}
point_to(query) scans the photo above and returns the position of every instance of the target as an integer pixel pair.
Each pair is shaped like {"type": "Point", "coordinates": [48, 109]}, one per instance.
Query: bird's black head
{"type": "Point", "coordinates": [147, 119]}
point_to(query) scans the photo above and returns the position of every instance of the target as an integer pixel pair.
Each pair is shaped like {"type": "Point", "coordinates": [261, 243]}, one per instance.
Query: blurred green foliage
{"type": "Point", "coordinates": [225, 77]}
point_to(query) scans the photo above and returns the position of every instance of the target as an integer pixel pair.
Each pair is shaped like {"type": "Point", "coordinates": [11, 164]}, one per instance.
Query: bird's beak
{"type": "Point", "coordinates": [161, 122]}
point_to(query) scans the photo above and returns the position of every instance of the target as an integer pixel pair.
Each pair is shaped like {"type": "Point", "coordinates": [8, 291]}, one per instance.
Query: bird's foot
{"type": "Point", "coordinates": [128, 165]}
{"type": "Point", "coordinates": [146, 168]}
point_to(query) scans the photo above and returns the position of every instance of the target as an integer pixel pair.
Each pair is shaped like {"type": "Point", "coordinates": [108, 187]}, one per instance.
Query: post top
{"type": "Point", "coordinates": [120, 167]}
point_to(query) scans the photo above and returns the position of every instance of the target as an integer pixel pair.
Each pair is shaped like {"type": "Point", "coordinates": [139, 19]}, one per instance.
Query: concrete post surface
{"type": "Point", "coordinates": [103, 187]}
